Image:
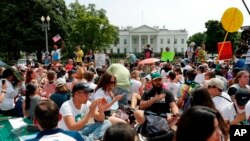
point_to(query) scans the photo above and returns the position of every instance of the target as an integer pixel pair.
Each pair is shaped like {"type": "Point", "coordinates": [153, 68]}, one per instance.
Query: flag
{"type": "Point", "coordinates": [56, 38]}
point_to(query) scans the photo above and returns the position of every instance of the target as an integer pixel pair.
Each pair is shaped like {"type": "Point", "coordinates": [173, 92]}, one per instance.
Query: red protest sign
{"type": "Point", "coordinates": [225, 50]}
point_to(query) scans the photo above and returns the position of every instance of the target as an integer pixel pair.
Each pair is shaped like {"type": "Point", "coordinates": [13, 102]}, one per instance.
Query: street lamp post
{"type": "Point", "coordinates": [46, 27]}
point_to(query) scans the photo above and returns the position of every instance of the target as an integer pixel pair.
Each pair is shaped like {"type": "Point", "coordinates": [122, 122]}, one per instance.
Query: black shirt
{"type": "Point", "coordinates": [162, 106]}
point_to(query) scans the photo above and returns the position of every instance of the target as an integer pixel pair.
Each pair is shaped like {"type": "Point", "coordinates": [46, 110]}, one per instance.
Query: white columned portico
{"type": "Point", "coordinates": [139, 43]}
{"type": "Point", "coordinates": [130, 44]}
{"type": "Point", "coordinates": [149, 39]}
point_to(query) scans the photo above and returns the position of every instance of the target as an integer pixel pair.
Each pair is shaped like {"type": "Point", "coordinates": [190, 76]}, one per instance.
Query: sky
{"type": "Point", "coordinates": [173, 14]}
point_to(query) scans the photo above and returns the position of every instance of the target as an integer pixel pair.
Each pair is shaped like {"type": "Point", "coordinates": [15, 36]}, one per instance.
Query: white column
{"type": "Point", "coordinates": [149, 39]}
{"type": "Point", "coordinates": [139, 43]}
{"type": "Point", "coordinates": [156, 44]}
{"type": "Point", "coordinates": [130, 44]}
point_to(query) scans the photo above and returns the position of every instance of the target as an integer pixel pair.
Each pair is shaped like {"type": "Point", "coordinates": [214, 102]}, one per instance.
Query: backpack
{"type": "Point", "coordinates": [155, 126]}
{"type": "Point", "coordinates": [192, 85]}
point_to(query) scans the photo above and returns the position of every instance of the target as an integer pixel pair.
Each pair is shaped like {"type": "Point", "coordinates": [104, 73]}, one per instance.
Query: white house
{"type": "Point", "coordinates": [134, 40]}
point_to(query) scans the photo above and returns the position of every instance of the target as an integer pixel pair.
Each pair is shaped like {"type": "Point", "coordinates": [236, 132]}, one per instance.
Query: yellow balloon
{"type": "Point", "coordinates": [232, 19]}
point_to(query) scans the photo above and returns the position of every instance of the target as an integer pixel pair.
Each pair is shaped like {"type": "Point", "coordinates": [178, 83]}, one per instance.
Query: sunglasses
{"type": "Point", "coordinates": [112, 82]}
{"type": "Point", "coordinates": [209, 86]}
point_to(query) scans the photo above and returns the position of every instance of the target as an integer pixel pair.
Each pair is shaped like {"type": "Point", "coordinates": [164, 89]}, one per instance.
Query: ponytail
{"type": "Point", "coordinates": [30, 90]}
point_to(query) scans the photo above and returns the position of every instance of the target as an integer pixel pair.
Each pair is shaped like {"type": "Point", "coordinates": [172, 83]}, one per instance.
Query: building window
{"type": "Point", "coordinates": [118, 41]}
{"type": "Point", "coordinates": [161, 41]}
{"type": "Point", "coordinates": [134, 41]}
{"type": "Point", "coordinates": [161, 49]}
{"type": "Point", "coordinates": [175, 41]}
{"type": "Point", "coordinates": [182, 50]}
{"type": "Point", "coordinates": [143, 41]}
{"type": "Point", "coordinates": [175, 49]}
{"type": "Point", "coordinates": [125, 41]}
{"type": "Point", "coordinates": [168, 41]}
{"type": "Point", "coordinates": [118, 51]}
{"type": "Point", "coordinates": [125, 50]}
{"type": "Point", "coordinates": [151, 41]}
{"type": "Point", "coordinates": [182, 41]}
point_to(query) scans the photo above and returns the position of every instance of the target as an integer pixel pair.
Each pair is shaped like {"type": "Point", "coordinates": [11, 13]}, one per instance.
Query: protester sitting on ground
{"type": "Point", "coordinates": [50, 86]}
{"type": "Point", "coordinates": [69, 65]}
{"type": "Point", "coordinates": [234, 113]}
{"type": "Point", "coordinates": [46, 119]}
{"type": "Point", "coordinates": [200, 77]}
{"type": "Point", "coordinates": [201, 97]}
{"type": "Point", "coordinates": [78, 111]}
{"type": "Point", "coordinates": [234, 73]}
{"type": "Point", "coordinates": [220, 98]}
{"type": "Point", "coordinates": [62, 93]}
{"type": "Point", "coordinates": [30, 76]}
{"type": "Point", "coordinates": [136, 88]}
{"type": "Point", "coordinates": [186, 88]}
{"type": "Point", "coordinates": [79, 76]}
{"type": "Point", "coordinates": [104, 90]}
{"type": "Point", "coordinates": [179, 77]}
{"type": "Point", "coordinates": [32, 98]}
{"type": "Point", "coordinates": [241, 81]}
{"type": "Point", "coordinates": [147, 83]}
{"type": "Point", "coordinates": [172, 85]}
{"type": "Point", "coordinates": [225, 72]}
{"type": "Point", "coordinates": [157, 100]}
{"type": "Point", "coordinates": [100, 72]}
{"type": "Point", "coordinates": [122, 75]}
{"type": "Point", "coordinates": [8, 94]}
{"type": "Point", "coordinates": [89, 76]}
{"type": "Point", "coordinates": [198, 123]}
{"type": "Point", "coordinates": [119, 132]}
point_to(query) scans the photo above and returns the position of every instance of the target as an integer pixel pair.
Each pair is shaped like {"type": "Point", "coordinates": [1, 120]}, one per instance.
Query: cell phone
{"type": "Point", "coordinates": [3, 82]}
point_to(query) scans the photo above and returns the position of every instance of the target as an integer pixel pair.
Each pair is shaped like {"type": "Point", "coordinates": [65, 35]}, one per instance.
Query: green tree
{"type": "Point", "coordinates": [91, 27]}
{"type": "Point", "coordinates": [198, 38]}
{"type": "Point", "coordinates": [215, 33]}
{"type": "Point", "coordinates": [21, 25]}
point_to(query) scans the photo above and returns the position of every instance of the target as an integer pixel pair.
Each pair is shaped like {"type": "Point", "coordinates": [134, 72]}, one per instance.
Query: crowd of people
{"type": "Point", "coordinates": [75, 101]}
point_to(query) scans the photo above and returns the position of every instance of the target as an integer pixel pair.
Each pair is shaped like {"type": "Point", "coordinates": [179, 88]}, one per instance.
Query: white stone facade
{"type": "Point", "coordinates": [134, 40]}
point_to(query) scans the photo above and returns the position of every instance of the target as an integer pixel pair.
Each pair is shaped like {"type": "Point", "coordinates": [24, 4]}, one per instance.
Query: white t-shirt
{"type": "Point", "coordinates": [92, 86]}
{"type": "Point", "coordinates": [199, 78]}
{"type": "Point", "coordinates": [11, 93]}
{"type": "Point", "coordinates": [220, 102]}
{"type": "Point", "coordinates": [68, 108]}
{"type": "Point", "coordinates": [247, 110]}
{"type": "Point", "coordinates": [100, 93]}
{"type": "Point", "coordinates": [229, 113]}
{"type": "Point", "coordinates": [56, 54]}
{"type": "Point", "coordinates": [174, 88]}
{"type": "Point", "coordinates": [134, 87]}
